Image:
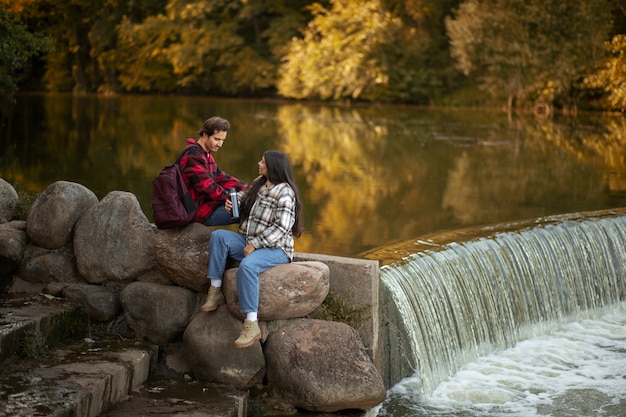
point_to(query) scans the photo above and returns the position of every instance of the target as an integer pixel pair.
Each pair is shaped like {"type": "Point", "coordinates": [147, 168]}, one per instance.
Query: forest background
{"type": "Point", "coordinates": [542, 55]}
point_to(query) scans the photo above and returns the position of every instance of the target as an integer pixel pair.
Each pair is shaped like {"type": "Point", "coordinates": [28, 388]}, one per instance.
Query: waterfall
{"type": "Point", "coordinates": [446, 306]}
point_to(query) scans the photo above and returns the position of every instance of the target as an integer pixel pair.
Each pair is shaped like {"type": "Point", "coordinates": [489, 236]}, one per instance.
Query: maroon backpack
{"type": "Point", "coordinates": [172, 205]}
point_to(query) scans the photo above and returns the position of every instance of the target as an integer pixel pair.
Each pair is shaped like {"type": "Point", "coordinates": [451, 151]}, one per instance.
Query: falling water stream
{"type": "Point", "coordinates": [520, 323]}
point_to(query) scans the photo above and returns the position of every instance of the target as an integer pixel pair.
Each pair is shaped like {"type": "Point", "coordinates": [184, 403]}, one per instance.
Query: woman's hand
{"type": "Point", "coordinates": [248, 249]}
{"type": "Point", "coordinates": [228, 205]}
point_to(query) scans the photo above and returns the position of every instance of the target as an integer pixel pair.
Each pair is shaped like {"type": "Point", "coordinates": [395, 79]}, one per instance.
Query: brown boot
{"type": "Point", "coordinates": [214, 299]}
{"type": "Point", "coordinates": [250, 334]}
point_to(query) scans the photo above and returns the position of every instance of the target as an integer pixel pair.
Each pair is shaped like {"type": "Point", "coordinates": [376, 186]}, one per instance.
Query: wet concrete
{"type": "Point", "coordinates": [22, 316]}
{"type": "Point", "coordinates": [399, 251]}
{"type": "Point", "coordinates": [79, 378]}
{"type": "Point", "coordinates": [169, 397]}
{"type": "Point", "coordinates": [53, 365]}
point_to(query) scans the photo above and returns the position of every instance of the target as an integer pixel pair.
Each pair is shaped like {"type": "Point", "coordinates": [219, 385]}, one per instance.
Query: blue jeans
{"type": "Point", "coordinates": [220, 217]}
{"type": "Point", "coordinates": [224, 243]}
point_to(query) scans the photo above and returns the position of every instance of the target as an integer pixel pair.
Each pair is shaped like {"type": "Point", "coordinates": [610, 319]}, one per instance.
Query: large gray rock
{"type": "Point", "coordinates": [41, 265]}
{"type": "Point", "coordinates": [156, 276]}
{"type": "Point", "coordinates": [8, 201]}
{"type": "Point", "coordinates": [100, 303]}
{"type": "Point", "coordinates": [286, 291]}
{"type": "Point", "coordinates": [322, 366]}
{"type": "Point", "coordinates": [158, 313]}
{"type": "Point", "coordinates": [208, 344]}
{"type": "Point", "coordinates": [113, 240]}
{"type": "Point", "coordinates": [55, 211]}
{"type": "Point", "coordinates": [13, 240]}
{"type": "Point", "coordinates": [182, 255]}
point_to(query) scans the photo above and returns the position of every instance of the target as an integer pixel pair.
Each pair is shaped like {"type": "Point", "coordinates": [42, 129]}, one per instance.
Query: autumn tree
{"type": "Point", "coordinates": [529, 52]}
{"type": "Point", "coordinates": [84, 36]}
{"type": "Point", "coordinates": [211, 46]}
{"type": "Point", "coordinates": [610, 74]}
{"type": "Point", "coordinates": [370, 50]}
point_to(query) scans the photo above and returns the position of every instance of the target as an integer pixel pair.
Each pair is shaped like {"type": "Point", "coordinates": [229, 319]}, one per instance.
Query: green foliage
{"type": "Point", "coordinates": [209, 46]}
{"type": "Point", "coordinates": [84, 33]}
{"type": "Point", "coordinates": [335, 308]}
{"type": "Point", "coordinates": [18, 45]}
{"type": "Point", "coordinates": [25, 201]}
{"type": "Point", "coordinates": [529, 52]}
{"type": "Point", "coordinates": [33, 344]}
{"type": "Point", "coordinates": [60, 330]}
{"type": "Point", "coordinates": [610, 75]}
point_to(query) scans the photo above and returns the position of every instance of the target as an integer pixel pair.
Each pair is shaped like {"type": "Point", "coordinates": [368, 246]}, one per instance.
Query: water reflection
{"type": "Point", "coordinates": [369, 175]}
{"type": "Point", "coordinates": [377, 178]}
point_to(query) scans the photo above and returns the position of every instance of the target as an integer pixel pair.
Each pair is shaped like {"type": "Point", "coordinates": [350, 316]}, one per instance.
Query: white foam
{"type": "Point", "coordinates": [579, 367]}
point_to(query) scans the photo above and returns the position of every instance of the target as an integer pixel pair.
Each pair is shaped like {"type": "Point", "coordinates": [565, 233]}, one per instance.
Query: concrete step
{"type": "Point", "coordinates": [53, 364]}
{"type": "Point", "coordinates": [29, 322]}
{"type": "Point", "coordinates": [80, 380]}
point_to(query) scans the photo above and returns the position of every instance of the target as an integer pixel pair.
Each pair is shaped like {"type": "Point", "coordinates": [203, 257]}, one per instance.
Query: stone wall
{"type": "Point", "coordinates": [107, 257]}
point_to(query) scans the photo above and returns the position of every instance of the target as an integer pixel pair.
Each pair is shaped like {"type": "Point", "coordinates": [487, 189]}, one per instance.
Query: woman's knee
{"type": "Point", "coordinates": [218, 233]}
{"type": "Point", "coordinates": [245, 265]}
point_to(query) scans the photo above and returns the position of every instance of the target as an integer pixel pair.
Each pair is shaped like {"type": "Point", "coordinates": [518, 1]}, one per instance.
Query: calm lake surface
{"type": "Point", "coordinates": [369, 175]}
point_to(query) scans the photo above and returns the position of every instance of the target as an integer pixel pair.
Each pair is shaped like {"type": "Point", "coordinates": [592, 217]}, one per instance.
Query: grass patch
{"type": "Point", "coordinates": [336, 308]}
{"type": "Point", "coordinates": [25, 201]}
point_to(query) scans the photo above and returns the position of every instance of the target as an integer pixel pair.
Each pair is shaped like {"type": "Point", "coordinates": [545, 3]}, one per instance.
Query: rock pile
{"type": "Point", "coordinates": [108, 258]}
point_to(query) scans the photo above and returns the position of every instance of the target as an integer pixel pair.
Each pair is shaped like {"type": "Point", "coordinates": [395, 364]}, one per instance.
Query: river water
{"type": "Point", "coordinates": [371, 176]}
{"type": "Point", "coordinates": [575, 370]}
{"type": "Point", "coordinates": [521, 322]}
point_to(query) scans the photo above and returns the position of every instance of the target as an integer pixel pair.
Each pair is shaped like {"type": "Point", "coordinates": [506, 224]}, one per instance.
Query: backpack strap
{"type": "Point", "coordinates": [185, 151]}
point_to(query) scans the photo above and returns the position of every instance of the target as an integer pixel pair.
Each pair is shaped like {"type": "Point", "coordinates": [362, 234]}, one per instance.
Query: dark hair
{"type": "Point", "coordinates": [213, 125]}
{"type": "Point", "coordinates": [278, 170]}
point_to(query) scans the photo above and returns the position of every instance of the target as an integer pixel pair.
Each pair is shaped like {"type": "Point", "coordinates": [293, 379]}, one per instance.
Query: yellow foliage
{"type": "Point", "coordinates": [335, 60]}
{"type": "Point", "coordinates": [611, 73]}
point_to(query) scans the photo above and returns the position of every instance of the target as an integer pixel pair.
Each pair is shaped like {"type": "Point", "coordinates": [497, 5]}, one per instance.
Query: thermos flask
{"type": "Point", "coordinates": [234, 212]}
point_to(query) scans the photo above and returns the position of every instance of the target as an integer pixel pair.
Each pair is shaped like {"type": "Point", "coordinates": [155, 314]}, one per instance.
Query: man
{"type": "Point", "coordinates": [207, 183]}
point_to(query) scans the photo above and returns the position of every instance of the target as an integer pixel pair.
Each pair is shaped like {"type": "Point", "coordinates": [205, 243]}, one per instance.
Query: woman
{"type": "Point", "coordinates": [207, 183]}
{"type": "Point", "coordinates": [271, 215]}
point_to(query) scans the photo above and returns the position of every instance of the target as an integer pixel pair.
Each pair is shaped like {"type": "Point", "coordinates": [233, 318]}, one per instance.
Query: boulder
{"type": "Point", "coordinates": [208, 345]}
{"type": "Point", "coordinates": [55, 211]}
{"type": "Point", "coordinates": [322, 366]}
{"type": "Point", "coordinates": [13, 240]}
{"type": "Point", "coordinates": [100, 303]}
{"type": "Point", "coordinates": [286, 291]}
{"type": "Point", "coordinates": [42, 265]}
{"type": "Point", "coordinates": [55, 289]}
{"type": "Point", "coordinates": [155, 275]}
{"type": "Point", "coordinates": [156, 312]}
{"type": "Point", "coordinates": [8, 201]}
{"type": "Point", "coordinates": [113, 240]}
{"type": "Point", "coordinates": [182, 255]}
